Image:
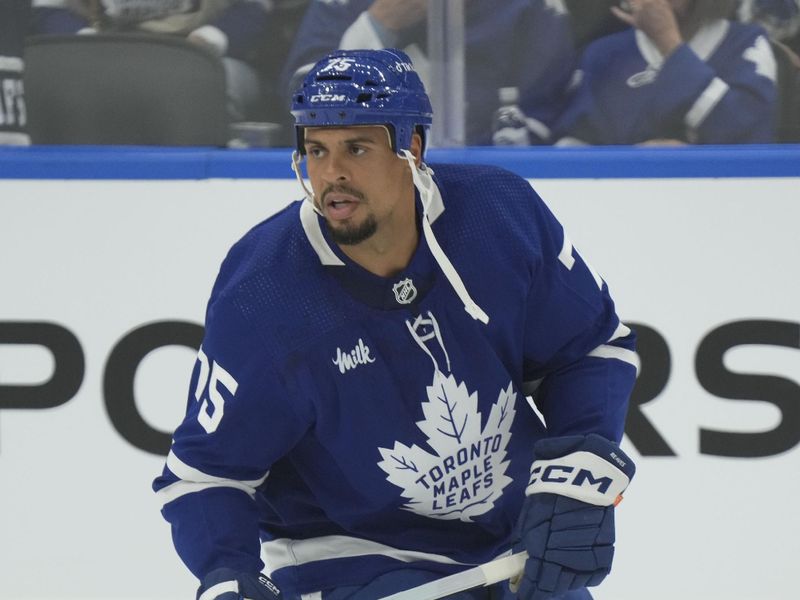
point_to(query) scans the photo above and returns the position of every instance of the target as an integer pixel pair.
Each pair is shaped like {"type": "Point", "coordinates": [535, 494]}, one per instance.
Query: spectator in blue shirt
{"type": "Point", "coordinates": [682, 73]}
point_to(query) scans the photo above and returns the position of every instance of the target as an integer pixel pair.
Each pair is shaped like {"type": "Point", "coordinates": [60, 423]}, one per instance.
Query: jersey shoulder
{"type": "Point", "coordinates": [273, 279]}
{"type": "Point", "coordinates": [483, 202]}
{"type": "Point", "coordinates": [744, 33]}
{"type": "Point", "coordinates": [744, 48]}
{"type": "Point", "coordinates": [470, 187]}
{"type": "Point", "coordinates": [264, 247]}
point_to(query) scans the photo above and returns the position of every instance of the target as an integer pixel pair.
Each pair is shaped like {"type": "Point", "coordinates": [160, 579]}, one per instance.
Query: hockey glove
{"type": "Point", "coordinates": [567, 520]}
{"type": "Point", "coordinates": [227, 584]}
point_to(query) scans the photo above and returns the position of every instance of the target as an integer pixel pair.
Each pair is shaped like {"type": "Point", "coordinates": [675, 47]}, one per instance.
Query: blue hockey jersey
{"type": "Point", "coordinates": [341, 424]}
{"type": "Point", "coordinates": [719, 88]}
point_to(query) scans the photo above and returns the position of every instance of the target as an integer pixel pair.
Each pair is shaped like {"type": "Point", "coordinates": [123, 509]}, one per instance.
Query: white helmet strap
{"type": "Point", "coordinates": [427, 190]}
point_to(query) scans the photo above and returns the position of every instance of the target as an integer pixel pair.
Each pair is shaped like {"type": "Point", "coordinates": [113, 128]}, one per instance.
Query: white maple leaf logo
{"type": "Point", "coordinates": [466, 475]}
{"type": "Point", "coordinates": [760, 54]}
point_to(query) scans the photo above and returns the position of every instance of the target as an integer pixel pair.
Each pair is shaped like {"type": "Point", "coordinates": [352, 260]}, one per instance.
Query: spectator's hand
{"type": "Point", "coordinates": [396, 15]}
{"type": "Point", "coordinates": [656, 19]}
{"type": "Point", "coordinates": [510, 127]}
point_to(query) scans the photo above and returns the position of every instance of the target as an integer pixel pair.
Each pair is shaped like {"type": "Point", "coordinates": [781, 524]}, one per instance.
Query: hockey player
{"type": "Point", "coordinates": [682, 74]}
{"type": "Point", "coordinates": [357, 421]}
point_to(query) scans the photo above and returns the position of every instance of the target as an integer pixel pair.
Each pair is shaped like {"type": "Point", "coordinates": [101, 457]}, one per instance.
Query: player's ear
{"type": "Point", "coordinates": [416, 148]}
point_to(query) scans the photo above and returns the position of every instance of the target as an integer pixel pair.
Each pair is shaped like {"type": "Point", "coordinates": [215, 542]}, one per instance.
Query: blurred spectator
{"type": "Point", "coordinates": [271, 52]}
{"type": "Point", "coordinates": [14, 15]}
{"type": "Point", "coordinates": [781, 19]}
{"type": "Point", "coordinates": [522, 44]}
{"type": "Point", "coordinates": [591, 20]}
{"type": "Point", "coordinates": [231, 29]}
{"type": "Point", "coordinates": [682, 74]}
{"type": "Point", "coordinates": [527, 120]}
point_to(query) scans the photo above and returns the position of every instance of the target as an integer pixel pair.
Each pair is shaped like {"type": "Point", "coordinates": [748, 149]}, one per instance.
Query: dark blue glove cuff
{"type": "Point", "coordinates": [587, 468]}
{"type": "Point", "coordinates": [227, 584]}
{"type": "Point", "coordinates": [567, 521]}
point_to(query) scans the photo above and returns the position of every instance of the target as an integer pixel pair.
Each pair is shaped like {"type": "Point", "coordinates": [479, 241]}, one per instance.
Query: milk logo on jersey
{"type": "Point", "coordinates": [465, 474]}
{"type": "Point", "coordinates": [404, 291]}
{"type": "Point", "coordinates": [360, 355]}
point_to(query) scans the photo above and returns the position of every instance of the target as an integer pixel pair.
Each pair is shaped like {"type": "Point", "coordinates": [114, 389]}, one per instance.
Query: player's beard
{"type": "Point", "coordinates": [350, 235]}
{"type": "Point", "coordinates": [346, 234]}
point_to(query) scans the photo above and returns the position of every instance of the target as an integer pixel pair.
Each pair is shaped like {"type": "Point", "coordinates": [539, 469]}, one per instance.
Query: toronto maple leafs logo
{"type": "Point", "coordinates": [466, 474]}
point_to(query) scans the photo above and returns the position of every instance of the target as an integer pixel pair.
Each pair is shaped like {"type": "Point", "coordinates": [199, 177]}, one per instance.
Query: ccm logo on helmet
{"type": "Point", "coordinates": [564, 474]}
{"type": "Point", "coordinates": [328, 98]}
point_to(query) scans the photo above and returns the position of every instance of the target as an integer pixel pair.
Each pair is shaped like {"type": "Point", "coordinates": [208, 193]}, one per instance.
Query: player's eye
{"type": "Point", "coordinates": [357, 150]}
{"type": "Point", "coordinates": [315, 151]}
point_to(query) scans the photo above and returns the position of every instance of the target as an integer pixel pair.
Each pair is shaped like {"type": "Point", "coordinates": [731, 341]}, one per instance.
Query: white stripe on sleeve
{"type": "Point", "coordinates": [193, 480]}
{"type": "Point", "coordinates": [620, 332]}
{"type": "Point", "coordinates": [565, 256]}
{"type": "Point", "coordinates": [187, 473]}
{"type": "Point", "coordinates": [706, 102]}
{"type": "Point", "coordinates": [182, 488]}
{"type": "Point", "coordinates": [622, 354]}
{"type": "Point", "coordinates": [219, 589]}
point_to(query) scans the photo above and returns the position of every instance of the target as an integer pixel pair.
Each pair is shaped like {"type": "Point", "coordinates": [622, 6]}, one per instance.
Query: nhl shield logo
{"type": "Point", "coordinates": [404, 291]}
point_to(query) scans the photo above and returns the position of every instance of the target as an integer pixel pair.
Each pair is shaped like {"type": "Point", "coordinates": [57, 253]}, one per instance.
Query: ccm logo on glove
{"type": "Point", "coordinates": [583, 475]}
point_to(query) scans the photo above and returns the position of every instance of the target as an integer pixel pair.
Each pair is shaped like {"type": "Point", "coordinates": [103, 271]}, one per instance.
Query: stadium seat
{"type": "Point", "coordinates": [126, 89]}
{"type": "Point", "coordinates": [788, 93]}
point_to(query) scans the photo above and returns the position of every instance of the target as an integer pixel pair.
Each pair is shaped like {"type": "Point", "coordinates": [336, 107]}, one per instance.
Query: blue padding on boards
{"type": "Point", "coordinates": [596, 162]}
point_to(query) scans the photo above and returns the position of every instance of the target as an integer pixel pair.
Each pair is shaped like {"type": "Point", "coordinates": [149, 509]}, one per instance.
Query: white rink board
{"type": "Point", "coordinates": [101, 258]}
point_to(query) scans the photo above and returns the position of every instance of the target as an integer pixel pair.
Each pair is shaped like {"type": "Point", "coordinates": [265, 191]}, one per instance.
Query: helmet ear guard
{"type": "Point", "coordinates": [349, 88]}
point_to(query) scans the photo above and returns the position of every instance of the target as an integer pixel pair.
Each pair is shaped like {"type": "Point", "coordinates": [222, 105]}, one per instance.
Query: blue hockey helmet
{"type": "Point", "coordinates": [364, 87]}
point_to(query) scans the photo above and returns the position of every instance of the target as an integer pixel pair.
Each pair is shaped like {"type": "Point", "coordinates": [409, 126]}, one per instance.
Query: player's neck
{"type": "Point", "coordinates": [388, 251]}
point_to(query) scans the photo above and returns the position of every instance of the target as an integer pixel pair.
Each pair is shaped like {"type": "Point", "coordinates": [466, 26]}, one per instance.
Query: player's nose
{"type": "Point", "coordinates": [335, 169]}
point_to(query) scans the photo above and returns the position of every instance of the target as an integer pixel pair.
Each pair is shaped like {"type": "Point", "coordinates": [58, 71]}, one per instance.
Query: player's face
{"type": "Point", "coordinates": [361, 187]}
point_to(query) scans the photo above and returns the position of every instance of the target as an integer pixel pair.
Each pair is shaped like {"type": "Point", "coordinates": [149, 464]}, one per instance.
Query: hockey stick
{"type": "Point", "coordinates": [486, 574]}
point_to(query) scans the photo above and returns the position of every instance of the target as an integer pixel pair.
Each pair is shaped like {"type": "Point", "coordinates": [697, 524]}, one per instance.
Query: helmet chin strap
{"type": "Point", "coordinates": [427, 191]}
{"type": "Point", "coordinates": [309, 194]}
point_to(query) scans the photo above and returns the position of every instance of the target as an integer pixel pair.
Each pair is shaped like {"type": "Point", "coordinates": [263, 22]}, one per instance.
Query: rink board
{"type": "Point", "coordinates": [115, 247]}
